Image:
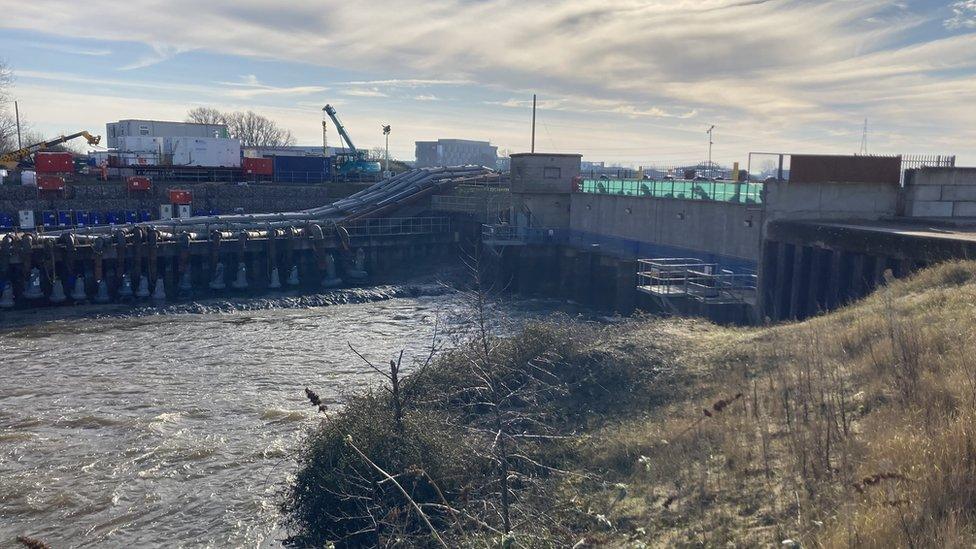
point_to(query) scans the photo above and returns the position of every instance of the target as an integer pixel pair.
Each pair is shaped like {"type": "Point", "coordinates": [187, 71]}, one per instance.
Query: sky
{"type": "Point", "coordinates": [623, 81]}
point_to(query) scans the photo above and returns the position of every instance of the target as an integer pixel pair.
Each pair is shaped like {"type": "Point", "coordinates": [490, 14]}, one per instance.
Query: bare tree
{"type": "Point", "coordinates": [8, 126]}
{"type": "Point", "coordinates": [206, 115]}
{"type": "Point", "coordinates": [252, 129]}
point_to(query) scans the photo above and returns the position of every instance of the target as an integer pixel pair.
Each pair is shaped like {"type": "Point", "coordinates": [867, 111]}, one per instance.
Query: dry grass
{"type": "Point", "coordinates": [855, 429]}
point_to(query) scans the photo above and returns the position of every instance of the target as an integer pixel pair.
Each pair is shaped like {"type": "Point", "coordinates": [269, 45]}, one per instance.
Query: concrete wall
{"type": "Point", "coordinates": [720, 228]}
{"type": "Point", "coordinates": [544, 173]}
{"type": "Point", "coordinates": [830, 200]}
{"type": "Point", "coordinates": [941, 192]}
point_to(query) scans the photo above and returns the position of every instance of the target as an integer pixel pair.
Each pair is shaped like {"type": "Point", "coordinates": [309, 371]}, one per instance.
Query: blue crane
{"type": "Point", "coordinates": [355, 164]}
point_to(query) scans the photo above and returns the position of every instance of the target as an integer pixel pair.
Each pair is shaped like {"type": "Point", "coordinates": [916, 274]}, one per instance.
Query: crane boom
{"type": "Point", "coordinates": [21, 154]}
{"type": "Point", "coordinates": [341, 129]}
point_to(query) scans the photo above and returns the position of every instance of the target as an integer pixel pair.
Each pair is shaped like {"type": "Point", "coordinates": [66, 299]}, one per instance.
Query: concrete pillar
{"type": "Point", "coordinates": [767, 278]}
{"type": "Point", "coordinates": [816, 282]}
{"type": "Point", "coordinates": [834, 294]}
{"type": "Point", "coordinates": [784, 277]}
{"type": "Point", "coordinates": [858, 280]}
{"type": "Point", "coordinates": [801, 277]}
{"type": "Point", "coordinates": [626, 299]}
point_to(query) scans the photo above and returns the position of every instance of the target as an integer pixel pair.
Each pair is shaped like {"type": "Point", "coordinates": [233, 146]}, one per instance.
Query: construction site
{"type": "Point", "coordinates": [180, 210]}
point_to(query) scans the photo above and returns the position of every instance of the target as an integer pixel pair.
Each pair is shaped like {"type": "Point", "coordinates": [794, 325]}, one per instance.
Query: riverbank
{"type": "Point", "coordinates": [850, 429]}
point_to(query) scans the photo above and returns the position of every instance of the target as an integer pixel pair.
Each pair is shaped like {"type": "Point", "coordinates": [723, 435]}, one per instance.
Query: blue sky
{"type": "Point", "coordinates": [626, 81]}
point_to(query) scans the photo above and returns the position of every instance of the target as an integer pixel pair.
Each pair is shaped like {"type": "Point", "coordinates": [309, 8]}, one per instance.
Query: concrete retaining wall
{"type": "Point", "coordinates": [718, 228]}
{"type": "Point", "coordinates": [941, 192]}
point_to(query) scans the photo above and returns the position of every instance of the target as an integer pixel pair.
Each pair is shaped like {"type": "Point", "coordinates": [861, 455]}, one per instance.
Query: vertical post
{"type": "Point", "coordinates": [17, 116]}
{"type": "Point", "coordinates": [533, 122]}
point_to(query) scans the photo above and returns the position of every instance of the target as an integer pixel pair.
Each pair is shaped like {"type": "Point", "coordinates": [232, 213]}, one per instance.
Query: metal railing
{"type": "Point", "coordinates": [694, 278]}
{"type": "Point", "coordinates": [398, 226]}
{"type": "Point", "coordinates": [720, 191]}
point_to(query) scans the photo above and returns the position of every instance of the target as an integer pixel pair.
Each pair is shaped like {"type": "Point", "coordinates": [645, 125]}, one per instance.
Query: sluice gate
{"type": "Point", "coordinates": [181, 258]}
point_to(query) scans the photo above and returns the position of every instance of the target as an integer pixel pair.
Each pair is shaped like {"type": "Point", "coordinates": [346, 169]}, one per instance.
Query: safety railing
{"type": "Point", "coordinates": [398, 226]}
{"type": "Point", "coordinates": [720, 191]}
{"type": "Point", "coordinates": [694, 278]}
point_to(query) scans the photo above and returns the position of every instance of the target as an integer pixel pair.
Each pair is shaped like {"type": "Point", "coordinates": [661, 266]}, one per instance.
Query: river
{"type": "Point", "coordinates": [181, 429]}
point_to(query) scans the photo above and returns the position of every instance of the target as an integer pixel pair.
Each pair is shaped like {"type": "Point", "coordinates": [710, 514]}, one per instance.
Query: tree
{"type": "Point", "coordinates": [8, 126]}
{"type": "Point", "coordinates": [252, 129]}
{"type": "Point", "coordinates": [206, 115]}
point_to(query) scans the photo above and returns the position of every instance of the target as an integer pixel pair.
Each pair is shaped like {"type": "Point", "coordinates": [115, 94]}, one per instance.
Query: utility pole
{"type": "Point", "coordinates": [325, 134]}
{"type": "Point", "coordinates": [17, 116]}
{"type": "Point", "coordinates": [533, 122]}
{"type": "Point", "coordinates": [386, 133]}
{"type": "Point", "coordinates": [864, 138]}
{"type": "Point", "coordinates": [709, 132]}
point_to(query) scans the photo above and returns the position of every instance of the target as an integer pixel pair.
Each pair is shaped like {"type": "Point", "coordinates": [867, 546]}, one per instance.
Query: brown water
{"type": "Point", "coordinates": [180, 430]}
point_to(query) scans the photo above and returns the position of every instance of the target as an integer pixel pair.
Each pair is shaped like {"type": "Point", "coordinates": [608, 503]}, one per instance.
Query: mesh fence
{"type": "Point", "coordinates": [721, 191]}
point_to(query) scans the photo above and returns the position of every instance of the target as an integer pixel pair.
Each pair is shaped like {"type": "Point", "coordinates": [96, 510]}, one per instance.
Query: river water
{"type": "Point", "coordinates": [180, 429]}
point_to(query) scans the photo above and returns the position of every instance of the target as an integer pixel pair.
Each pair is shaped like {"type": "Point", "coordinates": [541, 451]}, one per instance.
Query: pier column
{"type": "Point", "coordinates": [801, 275]}
{"type": "Point", "coordinates": [626, 299]}
{"type": "Point", "coordinates": [784, 276]}
{"type": "Point", "coordinates": [816, 283]}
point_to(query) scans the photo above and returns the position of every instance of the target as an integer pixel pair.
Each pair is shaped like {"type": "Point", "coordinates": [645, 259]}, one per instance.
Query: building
{"type": "Point", "coordinates": [455, 152]}
{"type": "Point", "coordinates": [160, 128]}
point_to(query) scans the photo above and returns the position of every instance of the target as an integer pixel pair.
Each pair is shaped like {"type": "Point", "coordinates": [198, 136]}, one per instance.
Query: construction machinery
{"type": "Point", "coordinates": [354, 163]}
{"type": "Point", "coordinates": [13, 159]}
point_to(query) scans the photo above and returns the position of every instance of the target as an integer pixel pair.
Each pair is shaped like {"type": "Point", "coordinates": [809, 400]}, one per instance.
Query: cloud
{"type": "Point", "coordinates": [249, 87]}
{"type": "Point", "coordinates": [160, 52]}
{"type": "Point", "coordinates": [426, 97]}
{"type": "Point", "coordinates": [364, 92]}
{"type": "Point", "coordinates": [784, 72]}
{"type": "Point", "coordinates": [71, 50]}
{"type": "Point", "coordinates": [963, 15]}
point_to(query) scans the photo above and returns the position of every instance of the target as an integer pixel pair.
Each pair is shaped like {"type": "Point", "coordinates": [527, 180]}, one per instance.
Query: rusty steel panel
{"type": "Point", "coordinates": [813, 168]}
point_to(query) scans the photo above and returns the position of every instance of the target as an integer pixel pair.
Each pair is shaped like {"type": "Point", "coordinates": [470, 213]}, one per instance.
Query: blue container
{"type": "Point", "coordinates": [82, 219]}
{"type": "Point", "coordinates": [302, 169]}
{"type": "Point", "coordinates": [49, 219]}
{"type": "Point", "coordinates": [64, 219]}
{"type": "Point", "coordinates": [6, 221]}
{"type": "Point", "coordinates": [113, 218]}
{"type": "Point", "coordinates": [131, 216]}
{"type": "Point", "coordinates": [97, 218]}
{"type": "Point", "coordinates": [144, 215]}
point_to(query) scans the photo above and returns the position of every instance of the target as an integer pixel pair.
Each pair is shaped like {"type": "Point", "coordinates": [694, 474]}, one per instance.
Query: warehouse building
{"type": "Point", "coordinates": [455, 152]}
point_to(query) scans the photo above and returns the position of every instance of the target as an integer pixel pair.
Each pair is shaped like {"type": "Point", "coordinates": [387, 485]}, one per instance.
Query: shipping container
{"type": "Point", "coordinates": [54, 162]}
{"type": "Point", "coordinates": [28, 178]}
{"type": "Point", "coordinates": [179, 196]}
{"type": "Point", "coordinates": [48, 182]}
{"type": "Point", "coordinates": [302, 169]}
{"type": "Point", "coordinates": [258, 166]}
{"type": "Point", "coordinates": [138, 183]}
{"type": "Point", "coordinates": [138, 145]}
{"type": "Point", "coordinates": [138, 159]}
{"type": "Point", "coordinates": [205, 152]}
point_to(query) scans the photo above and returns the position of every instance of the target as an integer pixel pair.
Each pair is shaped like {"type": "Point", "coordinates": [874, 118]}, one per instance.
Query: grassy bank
{"type": "Point", "coordinates": [851, 429]}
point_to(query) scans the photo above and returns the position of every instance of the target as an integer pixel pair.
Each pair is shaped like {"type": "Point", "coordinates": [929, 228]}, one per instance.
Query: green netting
{"type": "Point", "coordinates": [722, 191]}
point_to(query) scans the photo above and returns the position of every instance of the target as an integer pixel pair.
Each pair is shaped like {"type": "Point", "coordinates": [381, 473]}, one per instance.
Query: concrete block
{"type": "Point", "coordinates": [924, 192]}
{"type": "Point", "coordinates": [959, 192]}
{"type": "Point", "coordinates": [964, 209]}
{"type": "Point", "coordinates": [929, 208]}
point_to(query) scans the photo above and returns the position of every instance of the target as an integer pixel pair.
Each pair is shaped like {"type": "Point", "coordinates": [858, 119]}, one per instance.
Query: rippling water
{"type": "Point", "coordinates": [179, 430]}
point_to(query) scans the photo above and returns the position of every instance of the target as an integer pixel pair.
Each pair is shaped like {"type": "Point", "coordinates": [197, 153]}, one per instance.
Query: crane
{"type": "Point", "coordinates": [354, 164]}
{"type": "Point", "coordinates": [13, 158]}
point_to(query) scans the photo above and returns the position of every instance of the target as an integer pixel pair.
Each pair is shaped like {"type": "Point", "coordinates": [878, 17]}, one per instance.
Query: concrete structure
{"type": "Point", "coordinates": [541, 186]}
{"type": "Point", "coordinates": [822, 238]}
{"type": "Point", "coordinates": [160, 128]}
{"type": "Point", "coordinates": [455, 152]}
{"type": "Point", "coordinates": [940, 192]}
